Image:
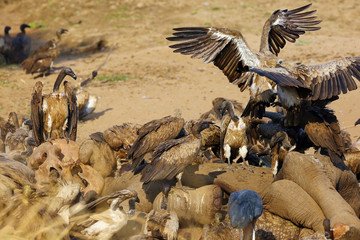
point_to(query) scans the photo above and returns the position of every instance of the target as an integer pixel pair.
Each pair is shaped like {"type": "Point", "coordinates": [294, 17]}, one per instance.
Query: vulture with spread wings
{"type": "Point", "coordinates": [228, 50]}
{"type": "Point", "coordinates": [320, 83]}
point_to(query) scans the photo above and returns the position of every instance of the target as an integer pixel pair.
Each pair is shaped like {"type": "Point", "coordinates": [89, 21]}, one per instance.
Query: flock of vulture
{"type": "Point", "coordinates": [233, 172]}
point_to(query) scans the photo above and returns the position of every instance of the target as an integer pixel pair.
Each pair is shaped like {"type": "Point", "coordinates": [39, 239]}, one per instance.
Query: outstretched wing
{"type": "Point", "coordinates": [282, 76]}
{"type": "Point", "coordinates": [73, 113]}
{"type": "Point", "coordinates": [325, 80]}
{"type": "Point", "coordinates": [285, 25]}
{"type": "Point", "coordinates": [226, 48]}
{"type": "Point", "coordinates": [36, 113]}
{"type": "Point", "coordinates": [332, 78]}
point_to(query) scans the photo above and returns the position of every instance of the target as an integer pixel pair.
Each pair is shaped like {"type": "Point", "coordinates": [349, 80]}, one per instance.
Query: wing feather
{"type": "Point", "coordinates": [289, 24]}
{"type": "Point", "coordinates": [224, 47]}
{"type": "Point", "coordinates": [153, 133]}
{"type": "Point", "coordinates": [334, 77]}
{"type": "Point", "coordinates": [280, 76]}
{"type": "Point", "coordinates": [36, 113]}
{"type": "Point", "coordinates": [71, 130]}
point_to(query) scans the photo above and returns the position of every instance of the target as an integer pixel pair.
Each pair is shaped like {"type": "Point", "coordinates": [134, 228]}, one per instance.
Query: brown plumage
{"type": "Point", "coordinates": [73, 111]}
{"type": "Point", "coordinates": [228, 50]}
{"type": "Point", "coordinates": [8, 126]}
{"type": "Point", "coordinates": [319, 83]}
{"type": "Point", "coordinates": [211, 135]}
{"type": "Point", "coordinates": [323, 130]}
{"type": "Point", "coordinates": [233, 136]}
{"type": "Point", "coordinates": [42, 59]}
{"type": "Point", "coordinates": [54, 115]}
{"type": "Point", "coordinates": [171, 157]}
{"type": "Point", "coordinates": [151, 134]}
{"type": "Point", "coordinates": [280, 146]}
{"type": "Point", "coordinates": [162, 224]}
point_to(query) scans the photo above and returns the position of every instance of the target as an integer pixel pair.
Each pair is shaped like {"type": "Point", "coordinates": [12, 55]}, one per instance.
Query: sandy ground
{"type": "Point", "coordinates": [158, 81]}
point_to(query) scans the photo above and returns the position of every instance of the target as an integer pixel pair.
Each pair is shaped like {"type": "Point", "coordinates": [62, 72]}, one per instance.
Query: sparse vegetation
{"type": "Point", "coordinates": [302, 42]}
{"type": "Point", "coordinates": [216, 8]}
{"type": "Point", "coordinates": [113, 78]}
{"type": "Point", "coordinates": [37, 24]}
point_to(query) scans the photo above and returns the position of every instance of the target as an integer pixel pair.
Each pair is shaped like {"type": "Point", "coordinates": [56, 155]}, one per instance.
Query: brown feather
{"type": "Point", "coordinates": [73, 116]}
{"type": "Point", "coordinates": [152, 134]}
{"type": "Point", "coordinates": [50, 113]}
{"type": "Point", "coordinates": [36, 113]}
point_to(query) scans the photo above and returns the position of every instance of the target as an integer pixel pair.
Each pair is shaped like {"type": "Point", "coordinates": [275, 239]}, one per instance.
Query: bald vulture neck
{"type": "Point", "coordinates": [59, 80]}
{"type": "Point", "coordinates": [58, 34]}
{"type": "Point", "coordinates": [197, 128]}
{"type": "Point", "coordinates": [231, 110]}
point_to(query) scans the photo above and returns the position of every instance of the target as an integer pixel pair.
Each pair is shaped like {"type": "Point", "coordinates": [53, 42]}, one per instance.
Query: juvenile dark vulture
{"type": "Point", "coordinates": [151, 134]}
{"type": "Point", "coordinates": [171, 157]}
{"type": "Point", "coordinates": [41, 60]}
{"type": "Point", "coordinates": [6, 48]}
{"type": "Point", "coordinates": [21, 45]}
{"type": "Point", "coordinates": [54, 115]}
{"type": "Point", "coordinates": [228, 50]}
{"type": "Point", "coordinates": [323, 130]}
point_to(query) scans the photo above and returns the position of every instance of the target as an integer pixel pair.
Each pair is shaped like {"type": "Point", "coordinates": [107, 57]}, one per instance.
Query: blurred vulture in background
{"type": "Point", "coordinates": [228, 50]}
{"type": "Point", "coordinates": [54, 115]}
{"type": "Point", "coordinates": [6, 45]}
{"type": "Point", "coordinates": [20, 45]}
{"type": "Point", "coordinates": [41, 61]}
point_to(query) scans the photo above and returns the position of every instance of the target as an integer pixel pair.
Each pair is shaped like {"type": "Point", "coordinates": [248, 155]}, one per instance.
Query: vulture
{"type": "Point", "coordinates": [320, 83]}
{"type": "Point", "coordinates": [6, 48]}
{"type": "Point", "coordinates": [170, 158]}
{"type": "Point", "coordinates": [54, 115]}
{"type": "Point", "coordinates": [323, 130]}
{"type": "Point", "coordinates": [151, 134]}
{"type": "Point", "coordinates": [233, 136]}
{"type": "Point", "coordinates": [86, 102]}
{"type": "Point", "coordinates": [41, 60]}
{"type": "Point", "coordinates": [280, 147]}
{"type": "Point", "coordinates": [8, 126]}
{"type": "Point", "coordinates": [20, 45]}
{"type": "Point", "coordinates": [244, 208]}
{"type": "Point", "coordinates": [229, 51]}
